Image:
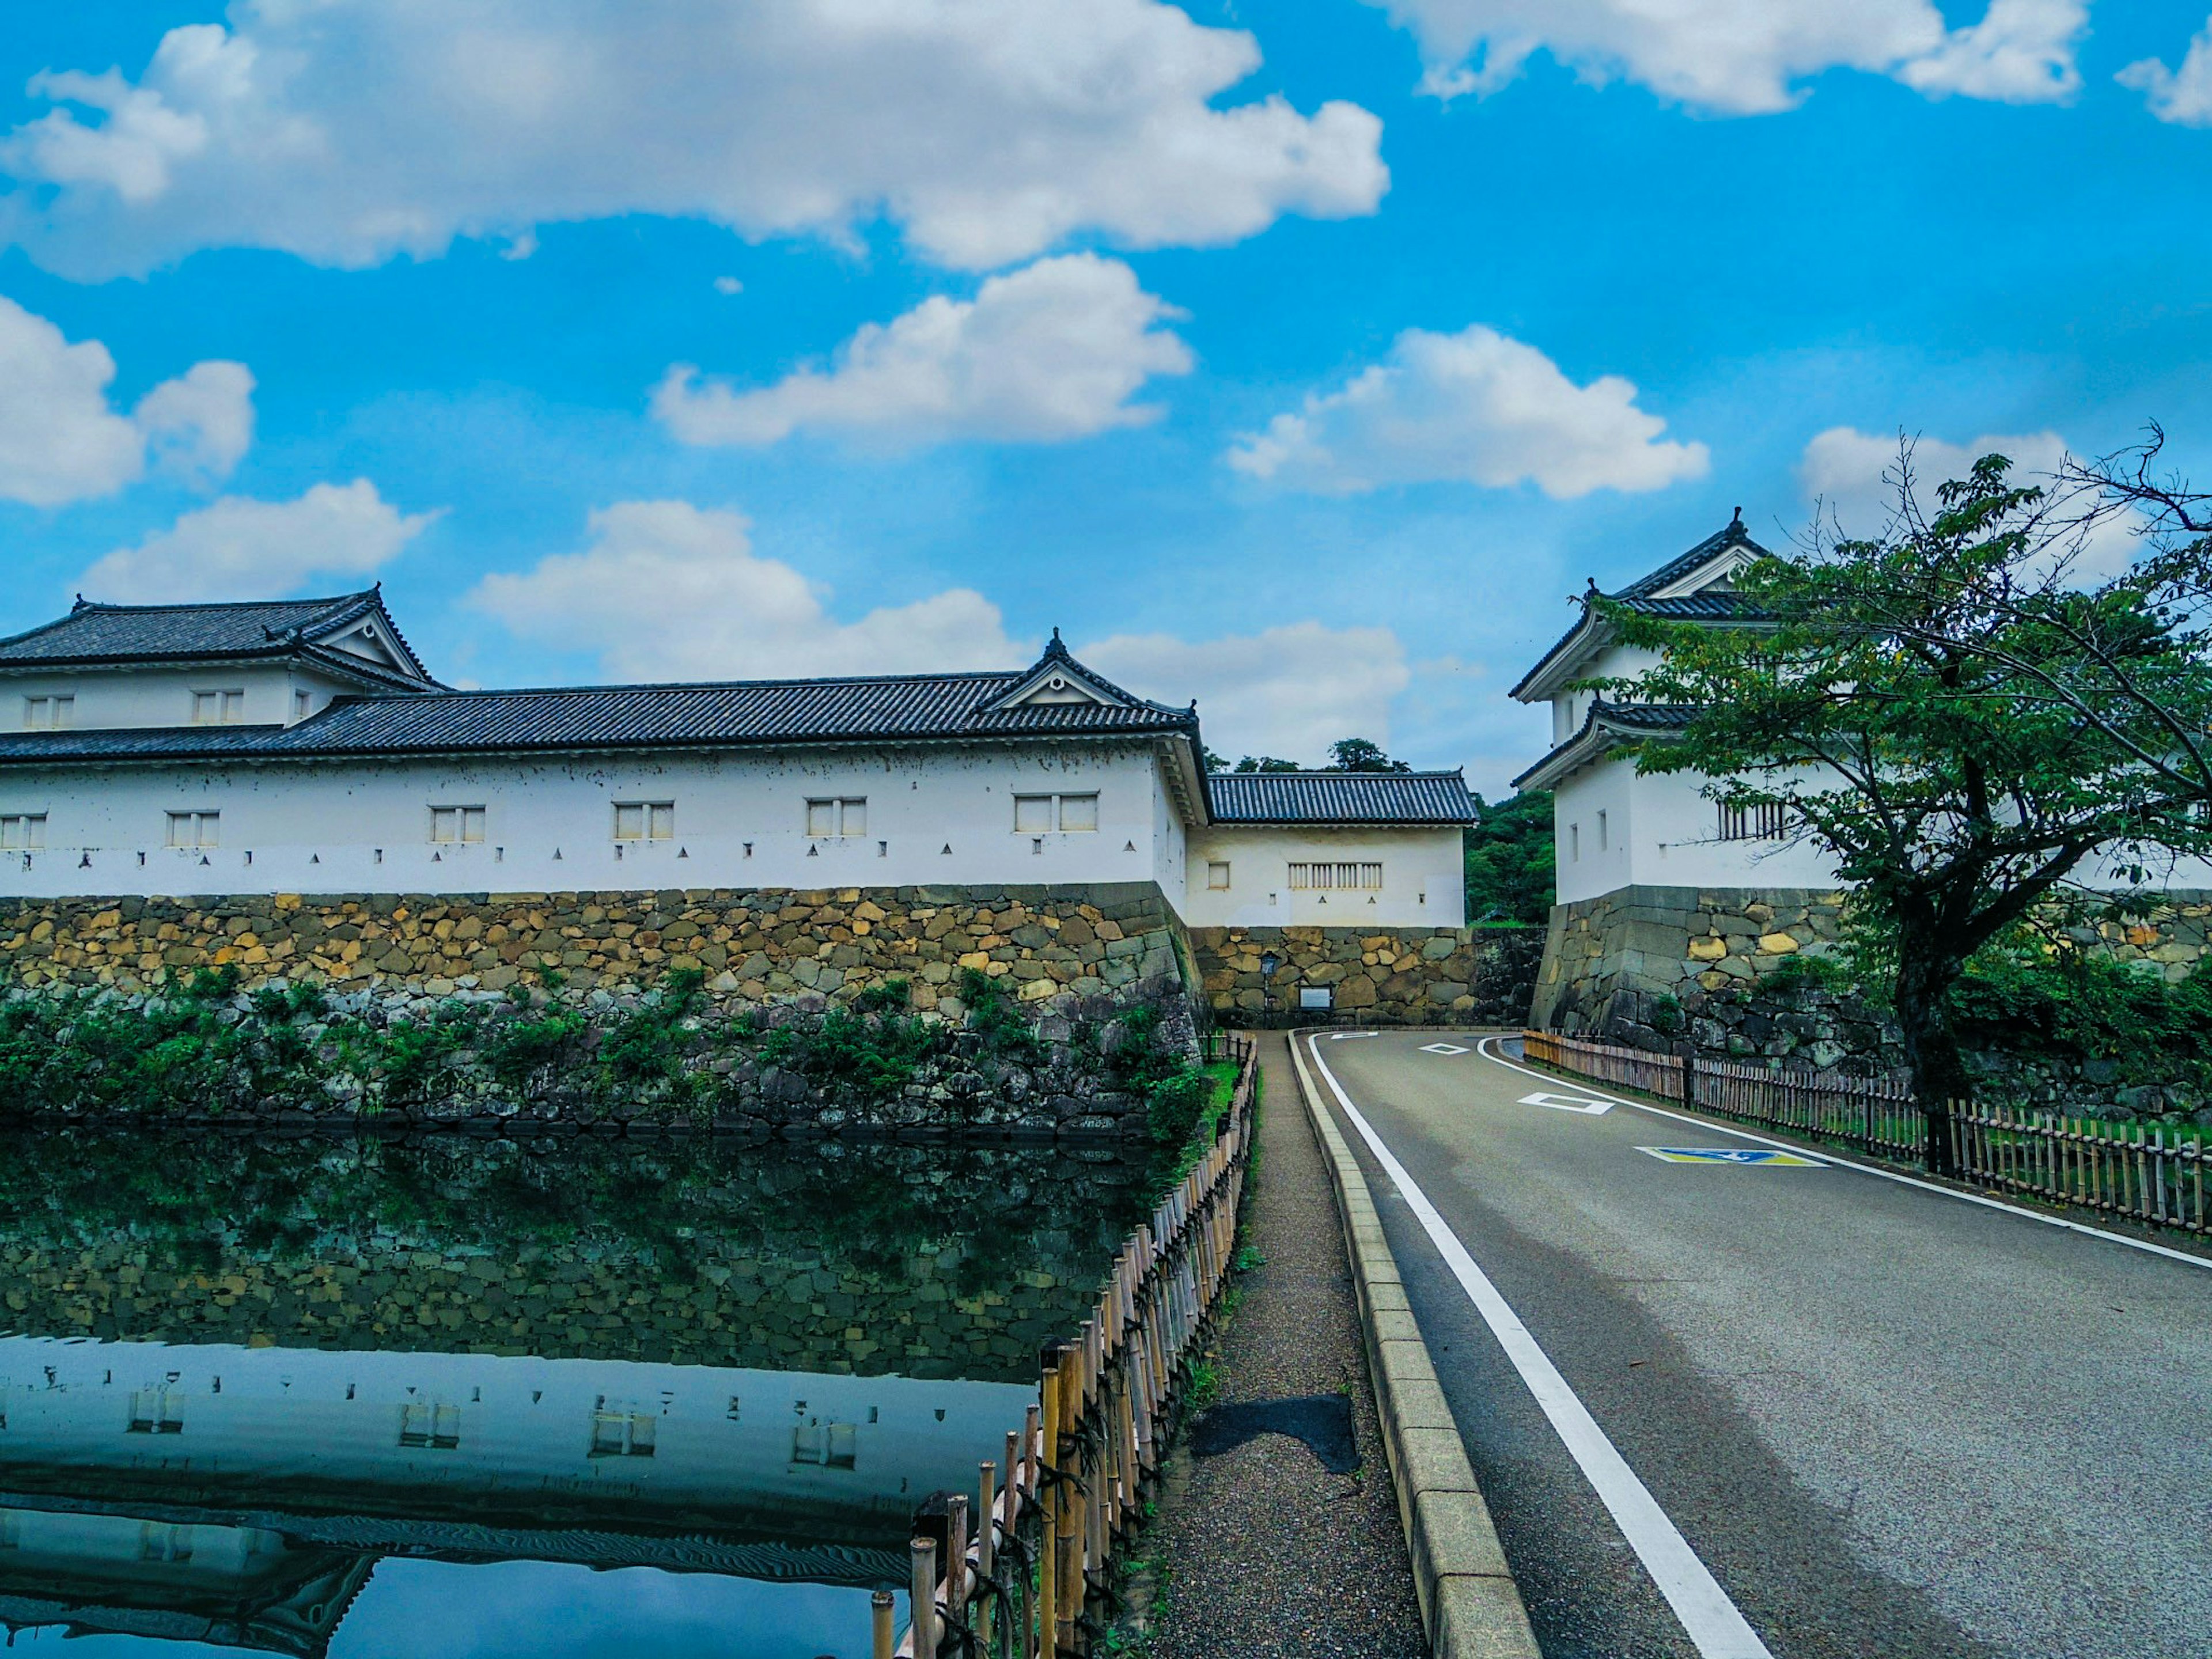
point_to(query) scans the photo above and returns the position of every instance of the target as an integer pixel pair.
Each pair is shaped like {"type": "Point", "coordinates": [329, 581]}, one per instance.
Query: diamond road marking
{"type": "Point", "coordinates": [1441, 1048]}
{"type": "Point", "coordinates": [1762, 1155]}
{"type": "Point", "coordinates": [1568, 1104]}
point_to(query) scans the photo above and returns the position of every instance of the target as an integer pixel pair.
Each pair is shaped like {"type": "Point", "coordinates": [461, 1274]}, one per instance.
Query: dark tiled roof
{"type": "Point", "coordinates": [1732, 535]}
{"type": "Point", "coordinates": [905, 707]}
{"type": "Point", "coordinates": [1604, 722]}
{"type": "Point", "coordinates": [1338, 798]}
{"type": "Point", "coordinates": [93, 633]}
{"type": "Point", "coordinates": [1713, 604]}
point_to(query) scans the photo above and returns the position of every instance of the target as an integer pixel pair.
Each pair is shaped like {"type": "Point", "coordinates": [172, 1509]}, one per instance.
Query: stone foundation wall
{"type": "Point", "coordinates": [1072, 958]}
{"type": "Point", "coordinates": [1406, 976]}
{"type": "Point", "coordinates": [757, 948]}
{"type": "Point", "coordinates": [1678, 970]}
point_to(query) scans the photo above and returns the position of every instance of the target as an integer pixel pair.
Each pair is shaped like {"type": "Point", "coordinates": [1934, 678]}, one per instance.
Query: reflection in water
{"type": "Point", "coordinates": [452, 1397]}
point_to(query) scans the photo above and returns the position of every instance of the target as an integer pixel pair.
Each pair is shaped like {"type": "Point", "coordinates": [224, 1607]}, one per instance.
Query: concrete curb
{"type": "Point", "coordinates": [1469, 1602]}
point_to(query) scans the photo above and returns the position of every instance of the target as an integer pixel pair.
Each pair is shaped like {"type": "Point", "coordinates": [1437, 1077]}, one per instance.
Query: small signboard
{"type": "Point", "coordinates": [1316, 996]}
{"type": "Point", "coordinates": [1765, 1156]}
{"type": "Point", "coordinates": [1568, 1104]}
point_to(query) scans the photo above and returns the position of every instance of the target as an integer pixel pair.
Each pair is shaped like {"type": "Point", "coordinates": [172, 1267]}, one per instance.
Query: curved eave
{"type": "Point", "coordinates": [1561, 664]}
{"type": "Point", "coordinates": [1596, 740]}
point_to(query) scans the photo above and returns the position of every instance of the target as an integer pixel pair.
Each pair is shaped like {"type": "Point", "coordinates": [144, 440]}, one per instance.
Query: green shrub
{"type": "Point", "coordinates": [1007, 1035]}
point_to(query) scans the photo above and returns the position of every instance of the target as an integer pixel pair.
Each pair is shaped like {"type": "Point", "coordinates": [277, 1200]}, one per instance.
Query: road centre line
{"type": "Point", "coordinates": [1712, 1621]}
{"type": "Point", "coordinates": [1483, 1048]}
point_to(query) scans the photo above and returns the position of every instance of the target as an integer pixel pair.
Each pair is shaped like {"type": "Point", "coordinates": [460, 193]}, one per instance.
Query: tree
{"type": "Point", "coordinates": [1266, 764]}
{"type": "Point", "coordinates": [1359, 754]}
{"type": "Point", "coordinates": [1968, 727]}
{"type": "Point", "coordinates": [1509, 863]}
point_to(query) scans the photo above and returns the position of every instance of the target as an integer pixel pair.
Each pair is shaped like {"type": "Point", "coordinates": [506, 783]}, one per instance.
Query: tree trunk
{"type": "Point", "coordinates": [1927, 969]}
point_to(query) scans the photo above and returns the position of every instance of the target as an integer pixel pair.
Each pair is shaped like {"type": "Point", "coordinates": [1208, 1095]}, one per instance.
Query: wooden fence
{"type": "Point", "coordinates": [1019, 1572]}
{"type": "Point", "coordinates": [2149, 1173]}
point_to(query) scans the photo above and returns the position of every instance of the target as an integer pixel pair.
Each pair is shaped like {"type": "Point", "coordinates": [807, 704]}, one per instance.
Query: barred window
{"type": "Point", "coordinates": [218, 707]}
{"type": "Point", "coordinates": [428, 1427]}
{"type": "Point", "coordinates": [641, 820]}
{"type": "Point", "coordinates": [845, 815]}
{"type": "Point", "coordinates": [195, 830]}
{"type": "Point", "coordinates": [1765, 821]}
{"type": "Point", "coordinates": [1307, 875]}
{"type": "Point", "coordinates": [457, 823]}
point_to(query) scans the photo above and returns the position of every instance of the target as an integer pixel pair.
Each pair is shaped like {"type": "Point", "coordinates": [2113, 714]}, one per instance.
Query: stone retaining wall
{"type": "Point", "coordinates": [1690, 970]}
{"type": "Point", "coordinates": [1405, 975]}
{"type": "Point", "coordinates": [759, 947]}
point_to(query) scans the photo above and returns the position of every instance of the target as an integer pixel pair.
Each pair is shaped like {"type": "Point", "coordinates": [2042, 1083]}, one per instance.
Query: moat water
{"type": "Point", "coordinates": [456, 1397]}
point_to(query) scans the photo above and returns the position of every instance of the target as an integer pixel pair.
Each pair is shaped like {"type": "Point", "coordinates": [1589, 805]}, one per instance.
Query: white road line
{"type": "Point", "coordinates": [1713, 1623]}
{"type": "Point", "coordinates": [1483, 1048]}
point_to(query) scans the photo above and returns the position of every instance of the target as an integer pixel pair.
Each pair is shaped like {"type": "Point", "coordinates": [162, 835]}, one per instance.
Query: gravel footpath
{"type": "Point", "coordinates": [1260, 1551]}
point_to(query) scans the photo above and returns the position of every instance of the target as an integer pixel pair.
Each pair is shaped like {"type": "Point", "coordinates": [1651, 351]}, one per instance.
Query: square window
{"type": "Point", "coordinates": [828, 1445]}
{"type": "Point", "coordinates": [49, 713]}
{"type": "Point", "coordinates": [629, 823]}
{"type": "Point", "coordinates": [1032, 814]}
{"type": "Point", "coordinates": [853, 817]}
{"type": "Point", "coordinates": [218, 707]}
{"type": "Point", "coordinates": [194, 830]}
{"type": "Point", "coordinates": [1217, 877]}
{"type": "Point", "coordinates": [430, 1427]}
{"type": "Point", "coordinates": [843, 816]}
{"type": "Point", "coordinates": [457, 823]}
{"type": "Point", "coordinates": [659, 821]}
{"type": "Point", "coordinates": [1079, 812]}
{"type": "Point", "coordinates": [22, 832]}
{"type": "Point", "coordinates": [622, 1434]}
{"type": "Point", "coordinates": [821, 818]}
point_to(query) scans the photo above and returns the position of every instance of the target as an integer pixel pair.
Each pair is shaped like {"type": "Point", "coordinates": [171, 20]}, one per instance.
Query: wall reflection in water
{"type": "Point", "coordinates": [464, 1397]}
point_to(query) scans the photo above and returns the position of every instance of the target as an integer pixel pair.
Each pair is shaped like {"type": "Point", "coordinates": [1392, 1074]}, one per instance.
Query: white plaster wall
{"type": "Point", "coordinates": [118, 698]}
{"type": "Point", "coordinates": [740, 821]}
{"type": "Point", "coordinates": [1615, 662]}
{"type": "Point", "coordinates": [1424, 877]}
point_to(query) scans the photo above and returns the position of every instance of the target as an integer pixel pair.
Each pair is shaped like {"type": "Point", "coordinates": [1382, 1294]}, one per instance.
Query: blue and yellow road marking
{"type": "Point", "coordinates": [1761, 1155]}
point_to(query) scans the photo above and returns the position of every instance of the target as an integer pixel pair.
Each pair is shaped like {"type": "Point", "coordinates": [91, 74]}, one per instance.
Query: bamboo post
{"type": "Point", "coordinates": [987, 1492]}
{"type": "Point", "coordinates": [879, 1616]}
{"type": "Point", "coordinates": [1047, 1449]}
{"type": "Point", "coordinates": [956, 1556]}
{"type": "Point", "coordinates": [1068, 1548]}
{"type": "Point", "coordinates": [923, 1590]}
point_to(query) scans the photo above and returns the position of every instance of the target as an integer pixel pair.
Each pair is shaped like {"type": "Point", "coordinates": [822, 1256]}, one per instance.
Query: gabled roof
{"type": "Point", "coordinates": [1674, 590]}
{"type": "Point", "coordinates": [1439, 798]}
{"type": "Point", "coordinates": [909, 707]}
{"type": "Point", "coordinates": [94, 634]}
{"type": "Point", "coordinates": [1603, 729]}
{"type": "Point", "coordinates": [1057, 678]}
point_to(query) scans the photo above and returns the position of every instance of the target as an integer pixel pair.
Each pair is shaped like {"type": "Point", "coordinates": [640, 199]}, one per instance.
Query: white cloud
{"type": "Point", "coordinates": [2182, 96]}
{"type": "Point", "coordinates": [1847, 473]}
{"type": "Point", "coordinates": [669, 590]}
{"type": "Point", "coordinates": [727, 285]}
{"type": "Point", "coordinates": [1748, 57]}
{"type": "Point", "coordinates": [1288, 691]}
{"type": "Point", "coordinates": [61, 441]}
{"type": "Point", "coordinates": [1474, 406]}
{"type": "Point", "coordinates": [238, 548]}
{"type": "Point", "coordinates": [351, 130]}
{"type": "Point", "coordinates": [1053, 351]}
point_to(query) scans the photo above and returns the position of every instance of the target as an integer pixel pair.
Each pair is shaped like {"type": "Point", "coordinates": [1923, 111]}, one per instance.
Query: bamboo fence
{"type": "Point", "coordinates": [2149, 1173]}
{"type": "Point", "coordinates": [1018, 1571]}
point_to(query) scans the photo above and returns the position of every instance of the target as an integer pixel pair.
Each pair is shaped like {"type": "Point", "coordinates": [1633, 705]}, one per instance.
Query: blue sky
{"type": "Point", "coordinates": [1299, 357]}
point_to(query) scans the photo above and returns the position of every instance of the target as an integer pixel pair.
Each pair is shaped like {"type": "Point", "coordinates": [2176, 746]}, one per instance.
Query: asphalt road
{"type": "Point", "coordinates": [1885, 1421]}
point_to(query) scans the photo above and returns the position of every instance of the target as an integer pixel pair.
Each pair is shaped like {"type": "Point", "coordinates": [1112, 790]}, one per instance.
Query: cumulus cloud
{"type": "Point", "coordinates": [1053, 351]}
{"type": "Point", "coordinates": [1748, 57]}
{"type": "Point", "coordinates": [62, 440]}
{"type": "Point", "coordinates": [2182, 96]}
{"type": "Point", "coordinates": [238, 548]}
{"type": "Point", "coordinates": [1474, 406]}
{"type": "Point", "coordinates": [347, 131]}
{"type": "Point", "coordinates": [1290, 691]}
{"type": "Point", "coordinates": [1847, 474]}
{"type": "Point", "coordinates": [669, 591]}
